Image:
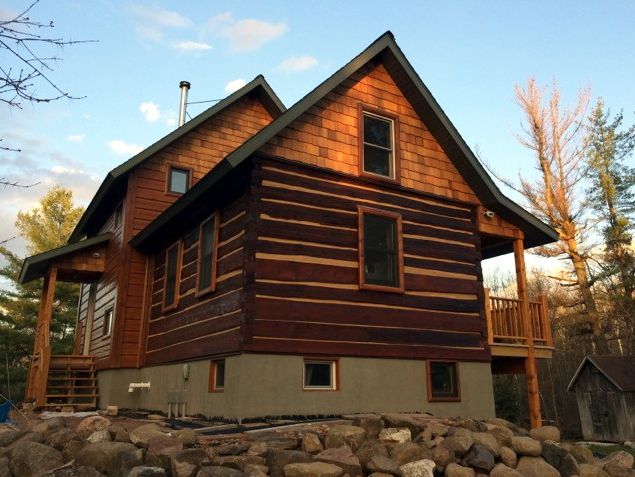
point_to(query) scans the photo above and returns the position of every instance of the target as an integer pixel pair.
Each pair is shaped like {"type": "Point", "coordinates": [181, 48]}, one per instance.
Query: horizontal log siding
{"type": "Point", "coordinates": [198, 151]}
{"type": "Point", "coordinates": [206, 325]}
{"type": "Point", "coordinates": [305, 292]}
{"type": "Point", "coordinates": [327, 136]}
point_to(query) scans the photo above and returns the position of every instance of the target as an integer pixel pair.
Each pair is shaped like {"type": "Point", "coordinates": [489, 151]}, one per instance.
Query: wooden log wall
{"type": "Point", "coordinates": [306, 297]}
{"type": "Point", "coordinates": [199, 151]}
{"type": "Point", "coordinates": [204, 325]}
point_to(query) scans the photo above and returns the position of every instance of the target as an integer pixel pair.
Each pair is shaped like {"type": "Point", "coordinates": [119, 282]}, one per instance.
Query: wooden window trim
{"type": "Point", "coordinates": [110, 309]}
{"type": "Point", "coordinates": [211, 386]}
{"type": "Point", "coordinates": [336, 371]}
{"type": "Point", "coordinates": [216, 218]}
{"type": "Point", "coordinates": [168, 178]}
{"type": "Point", "coordinates": [364, 108]}
{"type": "Point", "coordinates": [177, 279]}
{"type": "Point", "coordinates": [457, 377]}
{"type": "Point", "coordinates": [361, 210]}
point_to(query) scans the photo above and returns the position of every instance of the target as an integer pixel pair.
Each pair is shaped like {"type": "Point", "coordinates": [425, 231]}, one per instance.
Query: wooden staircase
{"type": "Point", "coordinates": [70, 380]}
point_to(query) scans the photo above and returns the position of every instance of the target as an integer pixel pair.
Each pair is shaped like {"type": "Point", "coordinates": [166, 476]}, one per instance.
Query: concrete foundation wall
{"type": "Point", "coordinates": [271, 385]}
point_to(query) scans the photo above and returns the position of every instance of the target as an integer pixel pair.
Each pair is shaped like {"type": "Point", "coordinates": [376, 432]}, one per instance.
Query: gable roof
{"type": "Point", "coordinates": [36, 266]}
{"type": "Point", "coordinates": [116, 179]}
{"type": "Point", "coordinates": [619, 370]}
{"type": "Point", "coordinates": [386, 50]}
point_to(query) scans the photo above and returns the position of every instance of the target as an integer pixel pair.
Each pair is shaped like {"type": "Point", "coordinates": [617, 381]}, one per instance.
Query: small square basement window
{"type": "Point", "coordinates": [320, 375]}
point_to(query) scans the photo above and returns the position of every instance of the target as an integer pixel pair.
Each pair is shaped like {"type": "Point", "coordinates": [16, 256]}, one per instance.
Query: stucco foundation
{"type": "Point", "coordinates": [259, 385]}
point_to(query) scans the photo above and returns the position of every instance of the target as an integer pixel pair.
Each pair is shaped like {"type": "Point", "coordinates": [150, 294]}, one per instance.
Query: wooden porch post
{"type": "Point", "coordinates": [531, 368]}
{"type": "Point", "coordinates": [42, 347]}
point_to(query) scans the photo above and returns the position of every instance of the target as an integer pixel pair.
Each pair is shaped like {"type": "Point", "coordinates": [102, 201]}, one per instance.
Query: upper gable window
{"type": "Point", "coordinates": [378, 151]}
{"type": "Point", "coordinates": [178, 180]}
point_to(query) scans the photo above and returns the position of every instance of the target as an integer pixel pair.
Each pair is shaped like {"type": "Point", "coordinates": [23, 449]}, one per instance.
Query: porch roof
{"type": "Point", "coordinates": [38, 265]}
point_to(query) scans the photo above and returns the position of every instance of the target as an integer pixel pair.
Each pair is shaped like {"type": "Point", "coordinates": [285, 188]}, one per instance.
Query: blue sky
{"type": "Point", "coordinates": [470, 55]}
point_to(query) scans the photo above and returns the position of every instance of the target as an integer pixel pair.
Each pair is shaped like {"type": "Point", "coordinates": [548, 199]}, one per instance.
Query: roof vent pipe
{"type": "Point", "coordinates": [185, 86]}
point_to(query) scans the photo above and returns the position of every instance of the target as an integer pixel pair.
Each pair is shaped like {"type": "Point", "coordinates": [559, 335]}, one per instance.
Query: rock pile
{"type": "Point", "coordinates": [391, 445]}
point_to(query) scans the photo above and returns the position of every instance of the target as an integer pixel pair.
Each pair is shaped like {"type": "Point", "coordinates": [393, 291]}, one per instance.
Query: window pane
{"type": "Point", "coordinates": [170, 283]}
{"type": "Point", "coordinates": [318, 374]}
{"type": "Point", "coordinates": [107, 321]}
{"type": "Point", "coordinates": [380, 250]}
{"type": "Point", "coordinates": [207, 255]}
{"type": "Point", "coordinates": [377, 161]}
{"type": "Point", "coordinates": [443, 380]}
{"type": "Point", "coordinates": [219, 381]}
{"type": "Point", "coordinates": [377, 131]}
{"type": "Point", "coordinates": [179, 180]}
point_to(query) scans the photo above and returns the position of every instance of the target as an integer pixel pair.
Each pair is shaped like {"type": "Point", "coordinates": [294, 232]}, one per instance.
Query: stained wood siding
{"type": "Point", "coordinates": [206, 325]}
{"type": "Point", "coordinates": [199, 151]}
{"type": "Point", "coordinates": [305, 294]}
{"type": "Point", "coordinates": [327, 136]}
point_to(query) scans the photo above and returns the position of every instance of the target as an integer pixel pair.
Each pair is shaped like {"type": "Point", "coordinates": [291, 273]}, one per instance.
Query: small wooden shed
{"type": "Point", "coordinates": [605, 390]}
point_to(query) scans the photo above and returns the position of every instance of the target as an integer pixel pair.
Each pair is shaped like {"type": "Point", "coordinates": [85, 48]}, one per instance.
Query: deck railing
{"type": "Point", "coordinates": [505, 321]}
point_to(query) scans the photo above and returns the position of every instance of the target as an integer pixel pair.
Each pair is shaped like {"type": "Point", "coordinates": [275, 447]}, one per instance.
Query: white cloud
{"type": "Point", "coordinates": [297, 63]}
{"type": "Point", "coordinates": [188, 45]}
{"type": "Point", "coordinates": [75, 137]}
{"type": "Point", "coordinates": [86, 116]}
{"type": "Point", "coordinates": [245, 35]}
{"type": "Point", "coordinates": [170, 117]}
{"type": "Point", "coordinates": [151, 22]}
{"type": "Point", "coordinates": [234, 85]}
{"type": "Point", "coordinates": [150, 111]}
{"type": "Point", "coordinates": [123, 148]}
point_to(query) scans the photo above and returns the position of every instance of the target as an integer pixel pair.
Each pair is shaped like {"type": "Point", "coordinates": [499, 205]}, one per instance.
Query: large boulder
{"type": "Point", "coordinates": [560, 459]}
{"type": "Point", "coordinates": [369, 449]}
{"type": "Point", "coordinates": [32, 459]}
{"type": "Point", "coordinates": [141, 435]}
{"type": "Point", "coordinates": [342, 457]}
{"type": "Point", "coordinates": [420, 468]}
{"type": "Point", "coordinates": [489, 441]}
{"type": "Point", "coordinates": [442, 456]}
{"type": "Point", "coordinates": [393, 435]}
{"type": "Point", "coordinates": [59, 438]}
{"type": "Point", "coordinates": [479, 457]}
{"type": "Point", "coordinates": [99, 436]}
{"type": "Point", "coordinates": [5, 471]}
{"type": "Point", "coordinates": [91, 424]}
{"type": "Point", "coordinates": [618, 464]}
{"type": "Point", "coordinates": [535, 467]}
{"type": "Point", "coordinates": [187, 463]}
{"type": "Point", "coordinates": [339, 435]}
{"type": "Point", "coordinates": [502, 434]}
{"type": "Point", "coordinates": [311, 443]}
{"type": "Point", "coordinates": [371, 422]}
{"type": "Point", "coordinates": [456, 470]}
{"type": "Point", "coordinates": [81, 471]}
{"type": "Point", "coordinates": [508, 457]}
{"type": "Point", "coordinates": [459, 442]}
{"type": "Point", "coordinates": [582, 454]}
{"type": "Point", "coordinates": [9, 437]}
{"type": "Point", "coordinates": [409, 452]}
{"type": "Point", "coordinates": [402, 420]}
{"type": "Point", "coordinates": [526, 446]}
{"type": "Point", "coordinates": [277, 459]}
{"type": "Point", "coordinates": [103, 455]}
{"type": "Point", "coordinates": [545, 433]}
{"type": "Point", "coordinates": [312, 469]}
{"type": "Point", "coordinates": [218, 471]}
{"type": "Point", "coordinates": [589, 470]}
{"type": "Point", "coordinates": [501, 470]}
{"type": "Point", "coordinates": [125, 462]}
{"type": "Point", "coordinates": [145, 471]}
{"type": "Point", "coordinates": [384, 465]}
{"type": "Point", "coordinates": [187, 436]}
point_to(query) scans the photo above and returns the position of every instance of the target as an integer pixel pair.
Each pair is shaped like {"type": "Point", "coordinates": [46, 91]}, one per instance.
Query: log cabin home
{"type": "Point", "coordinates": [316, 260]}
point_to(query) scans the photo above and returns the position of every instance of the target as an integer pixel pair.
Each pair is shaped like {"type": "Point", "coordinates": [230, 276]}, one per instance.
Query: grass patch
{"type": "Point", "coordinates": [602, 451]}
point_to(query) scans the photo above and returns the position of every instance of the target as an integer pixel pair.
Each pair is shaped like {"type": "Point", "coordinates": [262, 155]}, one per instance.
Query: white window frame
{"type": "Point", "coordinates": [332, 362]}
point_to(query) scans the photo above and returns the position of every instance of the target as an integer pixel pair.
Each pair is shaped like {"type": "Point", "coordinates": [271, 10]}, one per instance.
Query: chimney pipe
{"type": "Point", "coordinates": [185, 86]}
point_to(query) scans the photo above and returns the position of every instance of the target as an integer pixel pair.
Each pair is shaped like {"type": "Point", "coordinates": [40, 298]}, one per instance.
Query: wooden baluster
{"type": "Point", "coordinates": [488, 316]}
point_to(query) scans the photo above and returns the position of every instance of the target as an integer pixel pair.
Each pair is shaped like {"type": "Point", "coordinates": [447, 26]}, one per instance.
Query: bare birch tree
{"type": "Point", "coordinates": [555, 135]}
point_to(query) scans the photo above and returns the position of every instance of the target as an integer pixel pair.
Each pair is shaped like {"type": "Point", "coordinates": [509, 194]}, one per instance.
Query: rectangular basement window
{"type": "Point", "coordinates": [320, 375]}
{"type": "Point", "coordinates": [108, 316]}
{"type": "Point", "coordinates": [443, 381]}
{"type": "Point", "coordinates": [216, 376]}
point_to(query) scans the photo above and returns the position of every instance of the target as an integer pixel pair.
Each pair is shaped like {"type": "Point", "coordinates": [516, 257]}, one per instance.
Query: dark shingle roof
{"type": "Point", "coordinates": [620, 370]}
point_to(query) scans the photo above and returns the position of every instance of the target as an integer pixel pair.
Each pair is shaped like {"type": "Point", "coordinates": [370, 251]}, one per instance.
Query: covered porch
{"type": "Point", "coordinates": [61, 380]}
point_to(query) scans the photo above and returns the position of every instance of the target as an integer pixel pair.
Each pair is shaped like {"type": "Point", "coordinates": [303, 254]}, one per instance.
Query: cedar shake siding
{"type": "Point", "coordinates": [306, 295]}
{"type": "Point", "coordinates": [327, 135]}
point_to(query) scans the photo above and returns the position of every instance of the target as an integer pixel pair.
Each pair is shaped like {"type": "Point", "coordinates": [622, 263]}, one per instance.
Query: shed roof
{"type": "Point", "coordinates": [620, 370]}
{"type": "Point", "coordinates": [388, 52]}
{"type": "Point", "coordinates": [115, 179]}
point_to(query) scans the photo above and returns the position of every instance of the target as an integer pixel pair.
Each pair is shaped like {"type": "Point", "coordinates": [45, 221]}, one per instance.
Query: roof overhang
{"type": "Point", "coordinates": [76, 262]}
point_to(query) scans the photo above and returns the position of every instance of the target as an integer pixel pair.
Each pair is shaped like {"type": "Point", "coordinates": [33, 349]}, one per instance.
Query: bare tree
{"type": "Point", "coordinates": [555, 135]}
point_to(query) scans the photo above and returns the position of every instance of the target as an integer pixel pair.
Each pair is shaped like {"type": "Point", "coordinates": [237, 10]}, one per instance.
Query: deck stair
{"type": "Point", "coordinates": [71, 381]}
